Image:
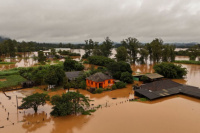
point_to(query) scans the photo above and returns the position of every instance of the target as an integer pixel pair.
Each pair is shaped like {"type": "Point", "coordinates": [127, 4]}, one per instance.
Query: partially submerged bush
{"type": "Point", "coordinates": [99, 90]}
{"type": "Point", "coordinates": [120, 85]}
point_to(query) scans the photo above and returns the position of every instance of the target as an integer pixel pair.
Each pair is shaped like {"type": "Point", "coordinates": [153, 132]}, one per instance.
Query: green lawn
{"type": "Point", "coordinates": [11, 80]}
{"type": "Point", "coordinates": [9, 72]}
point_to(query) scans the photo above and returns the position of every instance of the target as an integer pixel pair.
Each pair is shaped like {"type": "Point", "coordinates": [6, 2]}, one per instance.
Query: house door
{"type": "Point", "coordinates": [100, 85]}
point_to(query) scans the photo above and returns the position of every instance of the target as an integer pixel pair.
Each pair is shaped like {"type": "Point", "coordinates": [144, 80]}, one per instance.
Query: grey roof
{"type": "Point", "coordinates": [154, 75]}
{"type": "Point", "coordinates": [159, 85]}
{"type": "Point", "coordinates": [73, 75]}
{"type": "Point", "coordinates": [163, 88]}
{"type": "Point", "coordinates": [99, 77]}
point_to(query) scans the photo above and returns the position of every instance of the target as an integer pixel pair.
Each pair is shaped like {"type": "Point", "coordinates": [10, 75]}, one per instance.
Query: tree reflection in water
{"type": "Point", "coordinates": [35, 121]}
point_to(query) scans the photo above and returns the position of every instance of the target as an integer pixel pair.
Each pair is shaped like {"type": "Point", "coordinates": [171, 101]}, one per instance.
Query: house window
{"type": "Point", "coordinates": [108, 81]}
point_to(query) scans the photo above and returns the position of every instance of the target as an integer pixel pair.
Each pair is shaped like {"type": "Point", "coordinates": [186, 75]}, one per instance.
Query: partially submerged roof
{"type": "Point", "coordinates": [99, 77]}
{"type": "Point", "coordinates": [163, 88]}
{"type": "Point", "coordinates": [159, 85]}
{"type": "Point", "coordinates": [150, 75]}
{"type": "Point", "coordinates": [73, 75]}
{"type": "Point", "coordinates": [154, 75]}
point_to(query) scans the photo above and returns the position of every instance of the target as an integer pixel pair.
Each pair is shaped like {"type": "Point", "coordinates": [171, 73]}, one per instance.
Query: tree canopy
{"type": "Point", "coordinates": [34, 101]}
{"type": "Point", "coordinates": [121, 54]}
{"type": "Point", "coordinates": [69, 103]}
{"type": "Point", "coordinates": [170, 70]}
{"type": "Point", "coordinates": [72, 65]}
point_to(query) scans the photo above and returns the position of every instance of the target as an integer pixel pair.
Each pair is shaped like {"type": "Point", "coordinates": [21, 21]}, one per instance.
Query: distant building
{"type": "Point", "coordinates": [99, 80]}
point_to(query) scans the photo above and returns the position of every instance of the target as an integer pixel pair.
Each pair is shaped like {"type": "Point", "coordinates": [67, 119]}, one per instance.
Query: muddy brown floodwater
{"type": "Point", "coordinates": [175, 114]}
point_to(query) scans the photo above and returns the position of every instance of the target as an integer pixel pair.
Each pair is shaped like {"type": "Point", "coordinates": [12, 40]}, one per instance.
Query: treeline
{"type": "Point", "coordinates": [132, 50]}
{"type": "Point", "coordinates": [9, 47]}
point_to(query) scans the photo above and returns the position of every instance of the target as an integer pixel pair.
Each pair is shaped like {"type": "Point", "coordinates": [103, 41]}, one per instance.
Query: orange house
{"type": "Point", "coordinates": [99, 80]}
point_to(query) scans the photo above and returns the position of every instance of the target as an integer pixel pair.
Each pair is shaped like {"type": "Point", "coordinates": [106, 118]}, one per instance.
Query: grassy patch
{"type": "Point", "coordinates": [11, 80]}
{"type": "Point", "coordinates": [9, 72]}
{"type": "Point", "coordinates": [187, 62]}
{"type": "Point", "coordinates": [143, 99]}
{"type": "Point", "coordinates": [7, 63]}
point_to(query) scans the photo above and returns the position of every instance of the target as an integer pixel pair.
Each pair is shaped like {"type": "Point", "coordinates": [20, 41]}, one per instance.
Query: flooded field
{"type": "Point", "coordinates": [172, 114]}
{"type": "Point", "coordinates": [175, 114]}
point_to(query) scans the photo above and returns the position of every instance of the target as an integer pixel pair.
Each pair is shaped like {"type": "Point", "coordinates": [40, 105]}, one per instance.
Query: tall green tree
{"type": "Point", "coordinates": [72, 65]}
{"type": "Point", "coordinates": [34, 101]}
{"type": "Point", "coordinates": [41, 57]}
{"type": "Point", "coordinates": [149, 48]}
{"type": "Point", "coordinates": [89, 46]}
{"type": "Point", "coordinates": [143, 55]}
{"type": "Point", "coordinates": [132, 45]}
{"type": "Point", "coordinates": [121, 54]}
{"type": "Point", "coordinates": [54, 75]}
{"type": "Point", "coordinates": [157, 47]}
{"type": "Point", "coordinates": [53, 51]}
{"type": "Point", "coordinates": [106, 47]}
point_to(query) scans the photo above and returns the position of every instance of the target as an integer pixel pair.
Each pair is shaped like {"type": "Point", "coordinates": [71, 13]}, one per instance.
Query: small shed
{"type": "Point", "coordinates": [151, 76]}
{"type": "Point", "coordinates": [154, 76]}
{"type": "Point", "coordinates": [73, 75]}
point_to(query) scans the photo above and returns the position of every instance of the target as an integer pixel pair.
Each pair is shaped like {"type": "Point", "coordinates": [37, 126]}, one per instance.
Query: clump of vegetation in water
{"type": "Point", "coordinates": [69, 103]}
{"type": "Point", "coordinates": [170, 70]}
{"type": "Point", "coordinates": [187, 62]}
{"type": "Point", "coordinates": [99, 90]}
{"type": "Point", "coordinates": [120, 85]}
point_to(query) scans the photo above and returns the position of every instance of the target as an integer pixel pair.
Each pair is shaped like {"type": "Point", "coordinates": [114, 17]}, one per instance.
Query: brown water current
{"type": "Point", "coordinates": [175, 114]}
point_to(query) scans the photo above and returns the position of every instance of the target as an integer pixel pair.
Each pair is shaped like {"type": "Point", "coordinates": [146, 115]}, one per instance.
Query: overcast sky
{"type": "Point", "coordinates": [79, 20]}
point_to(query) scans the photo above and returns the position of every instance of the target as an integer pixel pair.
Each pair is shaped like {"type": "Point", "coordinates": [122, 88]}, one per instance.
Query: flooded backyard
{"type": "Point", "coordinates": [175, 114]}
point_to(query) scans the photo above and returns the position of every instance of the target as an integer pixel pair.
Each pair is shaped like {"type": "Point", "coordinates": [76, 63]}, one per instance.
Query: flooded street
{"type": "Point", "coordinates": [174, 114]}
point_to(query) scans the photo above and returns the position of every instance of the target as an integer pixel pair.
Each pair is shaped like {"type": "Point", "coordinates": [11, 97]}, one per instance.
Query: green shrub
{"type": "Point", "coordinates": [120, 85]}
{"type": "Point", "coordinates": [144, 78]}
{"type": "Point", "coordinates": [99, 60]}
{"type": "Point", "coordinates": [99, 90]}
{"type": "Point", "coordinates": [114, 87]}
{"type": "Point", "coordinates": [85, 62]}
{"type": "Point", "coordinates": [126, 77]}
{"type": "Point", "coordinates": [83, 85]}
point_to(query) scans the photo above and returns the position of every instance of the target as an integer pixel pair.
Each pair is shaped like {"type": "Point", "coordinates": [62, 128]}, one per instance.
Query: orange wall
{"type": "Point", "coordinates": [105, 84]}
